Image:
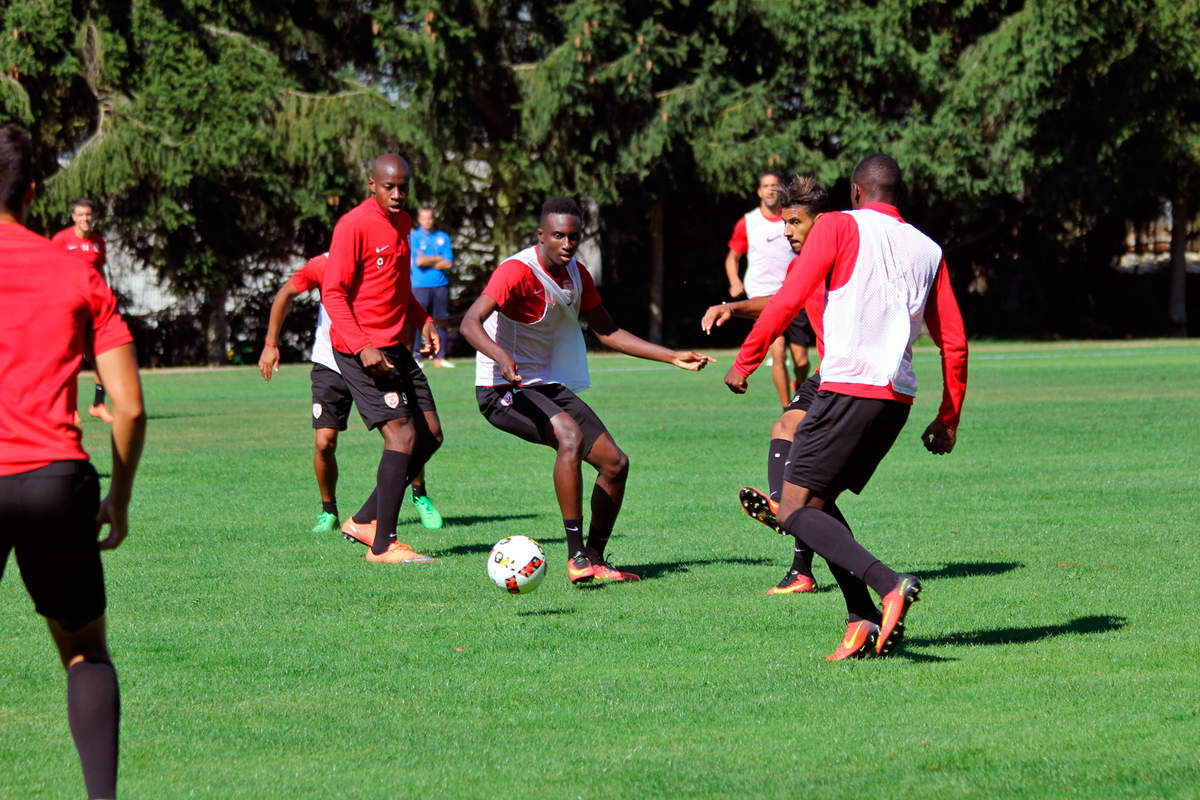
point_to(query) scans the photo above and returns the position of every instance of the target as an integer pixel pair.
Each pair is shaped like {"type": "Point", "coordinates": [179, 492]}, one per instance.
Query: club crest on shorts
{"type": "Point", "coordinates": [316, 410]}
{"type": "Point", "coordinates": [391, 400]}
{"type": "Point", "coordinates": [506, 401]}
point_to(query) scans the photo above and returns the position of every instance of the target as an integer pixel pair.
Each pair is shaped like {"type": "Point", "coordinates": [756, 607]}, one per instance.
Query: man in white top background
{"type": "Point", "coordinates": [759, 236]}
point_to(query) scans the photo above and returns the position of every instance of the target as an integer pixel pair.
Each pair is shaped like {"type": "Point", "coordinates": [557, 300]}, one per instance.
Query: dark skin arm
{"type": "Point", "coordinates": [471, 328]}
{"type": "Point", "coordinates": [718, 315]}
{"type": "Point", "coordinates": [623, 341]}
{"type": "Point", "coordinates": [268, 361]}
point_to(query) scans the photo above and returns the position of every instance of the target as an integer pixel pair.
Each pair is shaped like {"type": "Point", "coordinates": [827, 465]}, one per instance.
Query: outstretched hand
{"type": "Point", "coordinates": [715, 317]}
{"type": "Point", "coordinates": [736, 381]}
{"type": "Point", "coordinates": [938, 439]}
{"type": "Point", "coordinates": [689, 359]}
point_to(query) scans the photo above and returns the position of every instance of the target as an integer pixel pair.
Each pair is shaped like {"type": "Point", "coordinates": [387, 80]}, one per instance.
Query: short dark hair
{"type": "Point", "coordinates": [81, 202]}
{"type": "Point", "coordinates": [560, 205]}
{"type": "Point", "coordinates": [16, 167]}
{"type": "Point", "coordinates": [806, 192]}
{"type": "Point", "coordinates": [770, 172]}
{"type": "Point", "coordinates": [880, 176]}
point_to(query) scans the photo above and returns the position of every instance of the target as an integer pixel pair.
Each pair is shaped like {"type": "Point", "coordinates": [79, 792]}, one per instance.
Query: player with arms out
{"type": "Point", "coordinates": [53, 312]}
{"type": "Point", "coordinates": [367, 293]}
{"type": "Point", "coordinates": [532, 361]}
{"type": "Point", "coordinates": [331, 398]}
{"type": "Point", "coordinates": [883, 279]}
{"type": "Point", "coordinates": [802, 201]}
{"type": "Point", "coordinates": [81, 240]}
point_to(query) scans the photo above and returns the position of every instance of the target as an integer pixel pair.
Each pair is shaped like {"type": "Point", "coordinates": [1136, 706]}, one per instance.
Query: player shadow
{"type": "Point", "coordinates": [1079, 625]}
{"type": "Point", "coordinates": [651, 571]}
{"type": "Point", "coordinates": [970, 569]}
{"type": "Point", "coordinates": [471, 519]}
{"type": "Point", "coordinates": [484, 547]}
{"type": "Point", "coordinates": [546, 612]}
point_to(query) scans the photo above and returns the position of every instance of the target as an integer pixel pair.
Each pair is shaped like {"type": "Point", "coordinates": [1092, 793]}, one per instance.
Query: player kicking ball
{"type": "Point", "coordinates": [531, 361]}
{"type": "Point", "coordinates": [802, 201]}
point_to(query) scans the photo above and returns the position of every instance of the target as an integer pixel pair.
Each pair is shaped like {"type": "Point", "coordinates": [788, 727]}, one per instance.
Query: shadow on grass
{"type": "Point", "coordinates": [970, 569]}
{"type": "Point", "coordinates": [1079, 625]}
{"type": "Point", "coordinates": [650, 571]}
{"type": "Point", "coordinates": [474, 520]}
{"type": "Point", "coordinates": [546, 612]}
{"type": "Point", "coordinates": [486, 547]}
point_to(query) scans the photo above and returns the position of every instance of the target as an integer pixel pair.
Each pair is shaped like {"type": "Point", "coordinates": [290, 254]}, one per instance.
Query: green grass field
{"type": "Point", "coordinates": [1055, 651]}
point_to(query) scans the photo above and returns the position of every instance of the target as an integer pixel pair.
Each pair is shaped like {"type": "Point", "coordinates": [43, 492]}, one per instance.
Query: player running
{"type": "Point", "coordinates": [331, 398]}
{"type": "Point", "coordinates": [883, 278]}
{"type": "Point", "coordinates": [802, 201]}
{"type": "Point", "coordinates": [367, 294]}
{"type": "Point", "coordinates": [81, 240]}
{"type": "Point", "coordinates": [532, 361]}
{"type": "Point", "coordinates": [53, 311]}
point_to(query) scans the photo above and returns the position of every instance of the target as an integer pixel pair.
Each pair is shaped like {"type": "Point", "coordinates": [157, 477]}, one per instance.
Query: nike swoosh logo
{"type": "Point", "coordinates": [381, 249]}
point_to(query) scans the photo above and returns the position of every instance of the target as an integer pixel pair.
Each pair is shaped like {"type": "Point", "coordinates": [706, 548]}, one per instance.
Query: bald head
{"type": "Point", "coordinates": [389, 183]}
{"type": "Point", "coordinates": [876, 179]}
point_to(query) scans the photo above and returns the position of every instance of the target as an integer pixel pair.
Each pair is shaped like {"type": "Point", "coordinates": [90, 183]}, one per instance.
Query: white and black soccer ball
{"type": "Point", "coordinates": [517, 564]}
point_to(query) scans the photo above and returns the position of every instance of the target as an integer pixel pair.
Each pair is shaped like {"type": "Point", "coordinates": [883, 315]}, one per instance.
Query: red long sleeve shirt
{"type": "Point", "coordinates": [831, 254]}
{"type": "Point", "coordinates": [367, 287]}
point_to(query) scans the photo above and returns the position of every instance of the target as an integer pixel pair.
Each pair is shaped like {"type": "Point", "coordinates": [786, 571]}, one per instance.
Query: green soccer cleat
{"type": "Point", "coordinates": [430, 517]}
{"type": "Point", "coordinates": [326, 523]}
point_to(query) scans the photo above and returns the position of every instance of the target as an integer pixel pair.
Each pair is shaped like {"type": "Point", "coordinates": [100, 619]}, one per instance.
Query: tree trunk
{"type": "Point", "coordinates": [656, 273]}
{"type": "Point", "coordinates": [1177, 294]}
{"type": "Point", "coordinates": [216, 327]}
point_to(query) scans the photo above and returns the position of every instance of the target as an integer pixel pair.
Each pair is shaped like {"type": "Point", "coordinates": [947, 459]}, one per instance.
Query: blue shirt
{"type": "Point", "coordinates": [434, 243]}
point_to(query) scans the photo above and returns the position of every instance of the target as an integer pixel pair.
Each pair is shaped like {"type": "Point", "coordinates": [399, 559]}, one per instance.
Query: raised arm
{"type": "Point", "coordinates": [718, 315]}
{"type": "Point", "coordinates": [117, 370]}
{"type": "Point", "coordinates": [619, 339]}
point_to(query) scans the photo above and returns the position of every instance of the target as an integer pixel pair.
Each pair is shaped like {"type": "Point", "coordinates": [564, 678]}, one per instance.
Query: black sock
{"type": "Point", "coordinates": [390, 484]}
{"type": "Point", "coordinates": [881, 578]}
{"type": "Point", "coordinates": [859, 604]}
{"type": "Point", "coordinates": [329, 507]}
{"type": "Point", "coordinates": [93, 712]}
{"type": "Point", "coordinates": [368, 511]}
{"type": "Point", "coordinates": [776, 460]}
{"type": "Point", "coordinates": [802, 560]}
{"type": "Point", "coordinates": [98, 399]}
{"type": "Point", "coordinates": [574, 529]}
{"type": "Point", "coordinates": [829, 537]}
{"type": "Point", "coordinates": [418, 490]}
{"type": "Point", "coordinates": [604, 516]}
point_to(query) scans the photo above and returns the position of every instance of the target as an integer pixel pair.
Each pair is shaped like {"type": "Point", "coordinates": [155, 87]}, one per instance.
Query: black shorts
{"type": "Point", "coordinates": [841, 441]}
{"type": "Point", "coordinates": [401, 394]}
{"type": "Point", "coordinates": [526, 412]}
{"type": "Point", "coordinates": [331, 400]}
{"type": "Point", "coordinates": [805, 394]}
{"type": "Point", "coordinates": [800, 332]}
{"type": "Point", "coordinates": [48, 516]}
{"type": "Point", "coordinates": [435, 300]}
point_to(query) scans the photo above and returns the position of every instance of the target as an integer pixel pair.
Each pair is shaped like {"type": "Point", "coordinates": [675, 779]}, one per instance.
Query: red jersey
{"type": "Point", "coordinates": [520, 296]}
{"type": "Point", "coordinates": [53, 310]}
{"type": "Point", "coordinates": [831, 257]}
{"type": "Point", "coordinates": [367, 287]}
{"type": "Point", "coordinates": [311, 274]}
{"type": "Point", "coordinates": [90, 249]}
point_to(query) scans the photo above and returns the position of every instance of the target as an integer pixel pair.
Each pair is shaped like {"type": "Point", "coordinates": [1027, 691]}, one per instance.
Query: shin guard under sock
{"type": "Point", "coordinates": [776, 461]}
{"type": "Point", "coordinates": [93, 712]}
{"type": "Point", "coordinates": [390, 484]}
{"type": "Point", "coordinates": [604, 516]}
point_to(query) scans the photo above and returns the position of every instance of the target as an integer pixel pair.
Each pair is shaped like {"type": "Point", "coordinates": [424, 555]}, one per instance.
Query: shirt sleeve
{"type": "Point", "coordinates": [738, 243]}
{"type": "Point", "coordinates": [102, 261]}
{"type": "Point", "coordinates": [505, 284]}
{"type": "Point", "coordinates": [805, 274]}
{"type": "Point", "coordinates": [108, 328]}
{"type": "Point", "coordinates": [589, 297]}
{"type": "Point", "coordinates": [447, 249]}
{"type": "Point", "coordinates": [309, 276]}
{"type": "Point", "coordinates": [340, 278]}
{"type": "Point", "coordinates": [944, 320]}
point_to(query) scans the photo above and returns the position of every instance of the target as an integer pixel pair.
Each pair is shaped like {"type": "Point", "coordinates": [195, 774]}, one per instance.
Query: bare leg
{"type": "Point", "coordinates": [800, 361]}
{"type": "Point", "coordinates": [612, 472]}
{"type": "Point", "coordinates": [325, 463]}
{"type": "Point", "coordinates": [779, 371]}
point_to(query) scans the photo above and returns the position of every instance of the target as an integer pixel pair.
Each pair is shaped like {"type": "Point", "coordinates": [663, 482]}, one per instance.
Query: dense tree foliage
{"type": "Point", "coordinates": [226, 137]}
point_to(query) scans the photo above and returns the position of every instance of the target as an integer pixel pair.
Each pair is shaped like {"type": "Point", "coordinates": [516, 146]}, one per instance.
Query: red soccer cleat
{"type": "Point", "coordinates": [760, 507]}
{"type": "Point", "coordinates": [860, 637]}
{"type": "Point", "coordinates": [397, 553]}
{"type": "Point", "coordinates": [895, 605]}
{"type": "Point", "coordinates": [361, 532]}
{"type": "Point", "coordinates": [794, 582]}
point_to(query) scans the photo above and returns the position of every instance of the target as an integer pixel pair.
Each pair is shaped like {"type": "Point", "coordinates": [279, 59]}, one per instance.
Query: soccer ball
{"type": "Point", "coordinates": [517, 564]}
